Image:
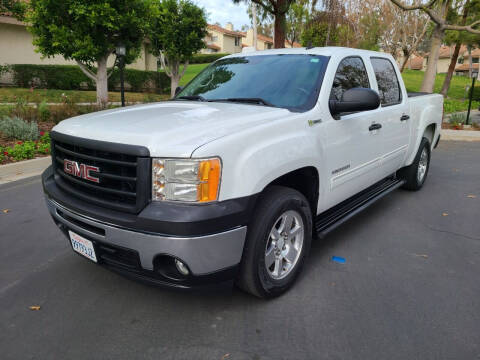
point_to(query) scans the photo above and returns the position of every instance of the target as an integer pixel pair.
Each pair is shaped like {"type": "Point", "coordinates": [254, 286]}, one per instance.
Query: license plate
{"type": "Point", "coordinates": [82, 246]}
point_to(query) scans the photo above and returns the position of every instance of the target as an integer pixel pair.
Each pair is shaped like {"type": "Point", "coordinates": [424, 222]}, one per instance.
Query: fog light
{"type": "Point", "coordinates": [181, 267]}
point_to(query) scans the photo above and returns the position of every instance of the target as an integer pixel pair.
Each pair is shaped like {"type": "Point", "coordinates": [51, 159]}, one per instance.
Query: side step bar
{"type": "Point", "coordinates": [334, 217]}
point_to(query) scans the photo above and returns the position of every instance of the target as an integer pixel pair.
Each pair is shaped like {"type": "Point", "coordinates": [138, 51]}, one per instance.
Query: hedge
{"type": "Point", "coordinates": [206, 58]}
{"type": "Point", "coordinates": [70, 77]}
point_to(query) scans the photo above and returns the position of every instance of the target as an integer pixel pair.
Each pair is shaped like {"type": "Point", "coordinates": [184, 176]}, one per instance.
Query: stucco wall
{"type": "Point", "coordinates": [228, 45]}
{"type": "Point", "coordinates": [16, 48]}
{"type": "Point", "coordinates": [442, 65]}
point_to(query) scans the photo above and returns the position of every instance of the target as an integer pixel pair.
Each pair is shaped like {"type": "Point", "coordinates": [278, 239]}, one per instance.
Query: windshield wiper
{"type": "Point", "coordinates": [191, 97]}
{"type": "Point", "coordinates": [259, 101]}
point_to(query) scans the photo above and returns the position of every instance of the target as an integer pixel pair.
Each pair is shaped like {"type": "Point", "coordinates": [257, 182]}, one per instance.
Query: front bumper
{"type": "Point", "coordinates": [211, 257]}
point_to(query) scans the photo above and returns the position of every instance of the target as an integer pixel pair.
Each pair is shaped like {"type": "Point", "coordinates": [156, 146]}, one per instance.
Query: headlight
{"type": "Point", "coordinates": [186, 180]}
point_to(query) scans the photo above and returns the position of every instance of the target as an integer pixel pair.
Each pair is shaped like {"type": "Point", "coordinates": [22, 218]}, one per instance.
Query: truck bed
{"type": "Point", "coordinates": [415, 94]}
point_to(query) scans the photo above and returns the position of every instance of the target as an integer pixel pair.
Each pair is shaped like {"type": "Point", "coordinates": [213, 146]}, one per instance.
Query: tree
{"type": "Point", "coordinates": [88, 32]}
{"type": "Point", "coordinates": [437, 10]}
{"type": "Point", "coordinates": [403, 31]}
{"type": "Point", "coordinates": [278, 9]}
{"type": "Point", "coordinates": [15, 7]}
{"type": "Point", "coordinates": [458, 38]}
{"type": "Point", "coordinates": [176, 35]}
{"type": "Point", "coordinates": [297, 17]}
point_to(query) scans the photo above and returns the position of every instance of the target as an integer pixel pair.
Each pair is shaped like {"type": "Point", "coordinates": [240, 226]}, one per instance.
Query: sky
{"type": "Point", "coordinates": [223, 11]}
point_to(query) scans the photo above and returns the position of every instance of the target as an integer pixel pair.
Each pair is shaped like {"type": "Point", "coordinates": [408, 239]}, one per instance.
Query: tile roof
{"type": "Point", "coordinates": [416, 63]}
{"type": "Point", "coordinates": [447, 51]}
{"type": "Point", "coordinates": [465, 67]}
{"type": "Point", "coordinates": [213, 46]}
{"type": "Point", "coordinates": [224, 31]}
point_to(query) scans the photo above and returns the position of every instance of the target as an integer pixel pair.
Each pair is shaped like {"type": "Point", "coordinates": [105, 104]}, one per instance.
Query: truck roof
{"type": "Point", "coordinates": [325, 51]}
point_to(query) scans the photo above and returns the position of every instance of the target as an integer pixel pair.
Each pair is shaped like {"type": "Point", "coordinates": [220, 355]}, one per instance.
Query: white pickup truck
{"type": "Point", "coordinates": [232, 178]}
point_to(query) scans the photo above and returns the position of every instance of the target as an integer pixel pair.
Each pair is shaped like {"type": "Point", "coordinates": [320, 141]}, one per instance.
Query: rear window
{"type": "Point", "coordinates": [388, 85]}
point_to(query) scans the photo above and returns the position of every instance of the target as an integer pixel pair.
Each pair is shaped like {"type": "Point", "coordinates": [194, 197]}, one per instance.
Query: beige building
{"type": "Point", "coordinates": [16, 48]}
{"type": "Point", "coordinates": [263, 42]}
{"type": "Point", "coordinates": [226, 40]}
{"type": "Point", "coordinates": [223, 40]}
{"type": "Point", "coordinates": [463, 65]}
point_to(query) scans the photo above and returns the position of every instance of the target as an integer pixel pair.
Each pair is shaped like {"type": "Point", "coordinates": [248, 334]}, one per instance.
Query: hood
{"type": "Point", "coordinates": [171, 128]}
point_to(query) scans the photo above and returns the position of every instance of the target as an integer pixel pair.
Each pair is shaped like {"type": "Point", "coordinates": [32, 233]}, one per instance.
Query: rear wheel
{"type": "Point", "coordinates": [277, 244]}
{"type": "Point", "coordinates": [416, 173]}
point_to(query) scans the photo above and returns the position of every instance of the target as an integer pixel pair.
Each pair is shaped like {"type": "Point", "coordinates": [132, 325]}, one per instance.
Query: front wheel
{"type": "Point", "coordinates": [416, 173]}
{"type": "Point", "coordinates": [277, 243]}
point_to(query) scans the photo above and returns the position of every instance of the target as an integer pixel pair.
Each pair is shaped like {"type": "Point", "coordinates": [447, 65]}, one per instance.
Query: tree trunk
{"type": "Point", "coordinates": [406, 57]}
{"type": "Point", "coordinates": [254, 23]}
{"type": "Point", "coordinates": [102, 82]}
{"type": "Point", "coordinates": [174, 80]}
{"type": "Point", "coordinates": [451, 69]}
{"type": "Point", "coordinates": [280, 25]}
{"type": "Point", "coordinates": [428, 82]}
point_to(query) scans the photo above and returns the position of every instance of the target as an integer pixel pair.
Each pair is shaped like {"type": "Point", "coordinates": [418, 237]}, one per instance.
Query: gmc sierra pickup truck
{"type": "Point", "coordinates": [234, 176]}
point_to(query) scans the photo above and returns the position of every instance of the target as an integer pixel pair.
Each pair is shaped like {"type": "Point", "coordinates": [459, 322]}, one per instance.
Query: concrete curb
{"type": "Point", "coordinates": [23, 169]}
{"type": "Point", "coordinates": [460, 135]}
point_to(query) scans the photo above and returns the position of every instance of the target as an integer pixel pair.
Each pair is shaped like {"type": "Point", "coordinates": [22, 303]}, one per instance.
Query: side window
{"type": "Point", "coordinates": [388, 85]}
{"type": "Point", "coordinates": [351, 73]}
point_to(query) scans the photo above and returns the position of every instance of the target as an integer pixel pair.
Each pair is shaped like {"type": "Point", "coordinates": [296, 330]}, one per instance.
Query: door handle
{"type": "Point", "coordinates": [404, 118]}
{"type": "Point", "coordinates": [375, 127]}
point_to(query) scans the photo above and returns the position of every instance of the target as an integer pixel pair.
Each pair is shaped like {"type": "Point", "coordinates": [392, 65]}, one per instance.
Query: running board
{"type": "Point", "coordinates": [334, 217]}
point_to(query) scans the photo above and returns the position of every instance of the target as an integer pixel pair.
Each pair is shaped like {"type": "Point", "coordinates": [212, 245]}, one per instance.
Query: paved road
{"type": "Point", "coordinates": [410, 288]}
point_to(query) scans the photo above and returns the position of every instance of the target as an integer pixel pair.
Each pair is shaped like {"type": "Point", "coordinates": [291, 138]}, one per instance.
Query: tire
{"type": "Point", "coordinates": [277, 205]}
{"type": "Point", "coordinates": [416, 173]}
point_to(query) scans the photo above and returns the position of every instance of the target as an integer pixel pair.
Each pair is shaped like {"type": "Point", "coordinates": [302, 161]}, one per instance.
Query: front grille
{"type": "Point", "coordinates": [124, 175]}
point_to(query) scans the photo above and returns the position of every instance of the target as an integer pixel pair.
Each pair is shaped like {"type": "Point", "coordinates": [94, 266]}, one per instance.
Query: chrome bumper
{"type": "Point", "coordinates": [203, 254]}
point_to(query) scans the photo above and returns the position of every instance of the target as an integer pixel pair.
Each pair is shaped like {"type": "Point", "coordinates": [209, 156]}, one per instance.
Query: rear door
{"type": "Point", "coordinates": [393, 113]}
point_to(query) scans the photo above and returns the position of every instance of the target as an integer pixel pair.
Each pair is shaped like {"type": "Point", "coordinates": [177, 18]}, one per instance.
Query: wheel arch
{"type": "Point", "coordinates": [305, 180]}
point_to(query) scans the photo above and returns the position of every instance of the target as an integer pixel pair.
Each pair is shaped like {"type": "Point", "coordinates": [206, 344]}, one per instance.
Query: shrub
{"type": "Point", "coordinates": [70, 77]}
{"type": "Point", "coordinates": [43, 148]}
{"type": "Point", "coordinates": [16, 128]}
{"type": "Point", "coordinates": [206, 58]}
{"type": "Point", "coordinates": [458, 119]}
{"type": "Point", "coordinates": [24, 111]}
{"type": "Point", "coordinates": [454, 105]}
{"type": "Point", "coordinates": [64, 77]}
{"type": "Point", "coordinates": [45, 137]}
{"type": "Point", "coordinates": [23, 151]}
{"type": "Point", "coordinates": [43, 111]}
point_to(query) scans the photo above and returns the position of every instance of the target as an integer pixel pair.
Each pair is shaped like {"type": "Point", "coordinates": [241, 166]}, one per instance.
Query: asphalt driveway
{"type": "Point", "coordinates": [409, 289]}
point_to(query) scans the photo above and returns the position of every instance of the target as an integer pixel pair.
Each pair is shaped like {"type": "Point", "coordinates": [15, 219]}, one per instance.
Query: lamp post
{"type": "Point", "coordinates": [472, 89]}
{"type": "Point", "coordinates": [121, 52]}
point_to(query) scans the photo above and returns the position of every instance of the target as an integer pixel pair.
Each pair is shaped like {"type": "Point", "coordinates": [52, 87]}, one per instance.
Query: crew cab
{"type": "Point", "coordinates": [232, 178]}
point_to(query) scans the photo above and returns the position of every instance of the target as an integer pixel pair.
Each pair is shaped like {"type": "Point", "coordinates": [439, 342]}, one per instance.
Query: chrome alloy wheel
{"type": "Point", "coordinates": [422, 166]}
{"type": "Point", "coordinates": [284, 244]}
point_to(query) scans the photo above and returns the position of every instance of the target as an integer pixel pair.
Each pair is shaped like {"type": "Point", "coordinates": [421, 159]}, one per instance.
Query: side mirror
{"type": "Point", "coordinates": [178, 89]}
{"type": "Point", "coordinates": [356, 99]}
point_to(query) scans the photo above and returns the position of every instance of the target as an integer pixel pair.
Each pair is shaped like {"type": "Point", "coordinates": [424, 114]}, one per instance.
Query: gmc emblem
{"type": "Point", "coordinates": [80, 170]}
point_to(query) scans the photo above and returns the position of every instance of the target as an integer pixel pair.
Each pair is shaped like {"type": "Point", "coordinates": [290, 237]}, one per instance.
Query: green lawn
{"type": "Point", "coordinates": [12, 95]}
{"type": "Point", "coordinates": [191, 72]}
{"type": "Point", "coordinates": [458, 87]}
{"type": "Point", "coordinates": [456, 100]}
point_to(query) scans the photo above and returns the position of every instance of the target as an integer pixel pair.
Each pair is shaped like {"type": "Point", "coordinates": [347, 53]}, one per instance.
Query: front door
{"type": "Point", "coordinates": [353, 148]}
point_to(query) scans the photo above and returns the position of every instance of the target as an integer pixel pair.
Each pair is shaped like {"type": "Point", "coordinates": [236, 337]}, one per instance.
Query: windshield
{"type": "Point", "coordinates": [286, 81]}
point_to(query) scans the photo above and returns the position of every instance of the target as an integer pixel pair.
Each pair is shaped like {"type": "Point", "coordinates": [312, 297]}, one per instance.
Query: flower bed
{"type": "Point", "coordinates": [13, 151]}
